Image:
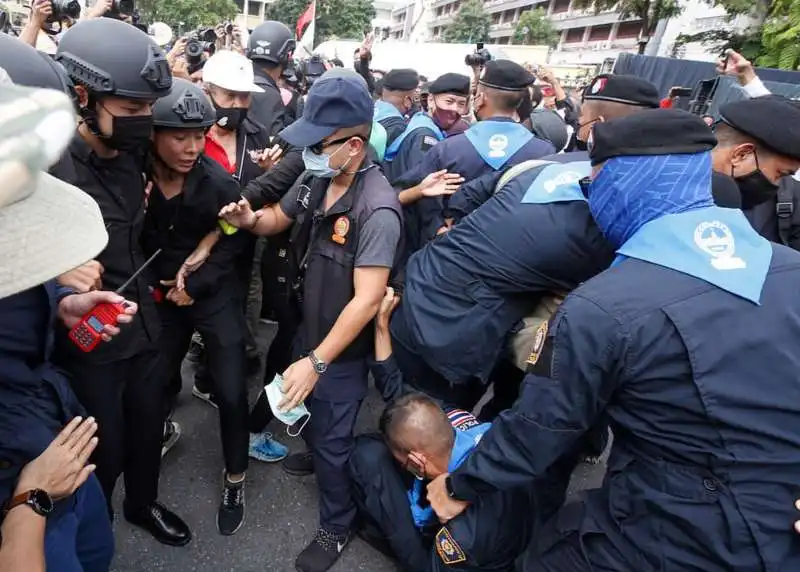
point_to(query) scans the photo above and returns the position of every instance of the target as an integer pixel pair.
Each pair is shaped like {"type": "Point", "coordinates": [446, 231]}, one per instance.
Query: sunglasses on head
{"type": "Point", "coordinates": [318, 147]}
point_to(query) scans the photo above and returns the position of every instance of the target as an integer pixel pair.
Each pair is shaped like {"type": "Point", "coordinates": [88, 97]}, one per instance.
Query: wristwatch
{"type": "Point", "coordinates": [37, 499]}
{"type": "Point", "coordinates": [319, 366]}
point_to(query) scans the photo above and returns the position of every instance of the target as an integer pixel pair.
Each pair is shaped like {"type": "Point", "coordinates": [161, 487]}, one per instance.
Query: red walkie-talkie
{"type": "Point", "coordinates": [89, 331]}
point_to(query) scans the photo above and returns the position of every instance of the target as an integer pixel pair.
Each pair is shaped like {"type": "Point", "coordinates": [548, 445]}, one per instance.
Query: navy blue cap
{"type": "Point", "coordinates": [338, 99]}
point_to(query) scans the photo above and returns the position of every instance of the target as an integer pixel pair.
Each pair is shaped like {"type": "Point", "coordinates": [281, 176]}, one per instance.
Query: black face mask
{"type": "Point", "coordinates": [231, 118]}
{"type": "Point", "coordinates": [755, 187]}
{"type": "Point", "coordinates": [130, 133]}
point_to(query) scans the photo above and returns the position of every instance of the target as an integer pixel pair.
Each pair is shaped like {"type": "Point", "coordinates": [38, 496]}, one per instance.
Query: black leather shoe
{"type": "Point", "coordinates": [165, 526]}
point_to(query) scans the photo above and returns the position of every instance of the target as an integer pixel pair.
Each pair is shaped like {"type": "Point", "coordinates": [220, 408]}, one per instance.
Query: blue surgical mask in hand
{"type": "Point", "coordinates": [290, 418]}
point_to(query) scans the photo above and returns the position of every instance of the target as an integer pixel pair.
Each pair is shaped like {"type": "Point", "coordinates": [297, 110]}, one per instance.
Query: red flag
{"type": "Point", "coordinates": [305, 19]}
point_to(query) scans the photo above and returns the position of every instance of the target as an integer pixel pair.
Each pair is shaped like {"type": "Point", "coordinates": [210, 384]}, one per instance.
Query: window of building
{"type": "Point", "coordinates": [629, 29]}
{"type": "Point", "coordinates": [599, 33]}
{"type": "Point", "coordinates": [575, 35]}
{"type": "Point", "coordinates": [496, 18]}
{"type": "Point", "coordinates": [560, 6]}
{"type": "Point", "coordinates": [240, 5]}
{"type": "Point", "coordinates": [254, 8]}
{"type": "Point", "coordinates": [503, 41]}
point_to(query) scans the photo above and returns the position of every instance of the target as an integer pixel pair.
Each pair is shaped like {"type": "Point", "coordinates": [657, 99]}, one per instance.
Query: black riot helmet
{"type": "Point", "coordinates": [271, 42]}
{"type": "Point", "coordinates": [110, 57]}
{"type": "Point", "coordinates": [30, 67]}
{"type": "Point", "coordinates": [186, 107]}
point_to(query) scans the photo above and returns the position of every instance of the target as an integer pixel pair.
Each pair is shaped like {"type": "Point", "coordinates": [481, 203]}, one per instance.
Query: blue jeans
{"type": "Point", "coordinates": [78, 537]}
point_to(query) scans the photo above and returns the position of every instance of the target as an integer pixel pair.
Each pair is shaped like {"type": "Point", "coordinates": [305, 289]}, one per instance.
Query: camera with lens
{"type": "Point", "coordinates": [201, 41]}
{"type": "Point", "coordinates": [228, 26]}
{"type": "Point", "coordinates": [479, 57]}
{"type": "Point", "coordinates": [65, 9]}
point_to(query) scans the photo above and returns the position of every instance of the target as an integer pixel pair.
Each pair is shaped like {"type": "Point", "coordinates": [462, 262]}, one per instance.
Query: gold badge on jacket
{"type": "Point", "coordinates": [340, 229]}
{"type": "Point", "coordinates": [448, 549]}
{"type": "Point", "coordinates": [538, 344]}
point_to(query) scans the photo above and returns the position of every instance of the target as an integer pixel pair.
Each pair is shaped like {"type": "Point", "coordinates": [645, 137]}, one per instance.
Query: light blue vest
{"type": "Point", "coordinates": [465, 443]}
{"type": "Point", "coordinates": [384, 110]}
{"type": "Point", "coordinates": [419, 120]}
{"type": "Point", "coordinates": [497, 141]}
{"type": "Point", "coordinates": [558, 183]}
{"type": "Point", "coordinates": [713, 244]}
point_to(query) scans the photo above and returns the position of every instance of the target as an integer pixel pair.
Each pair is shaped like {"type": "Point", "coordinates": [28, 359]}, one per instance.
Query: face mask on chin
{"type": "Point", "coordinates": [445, 118]}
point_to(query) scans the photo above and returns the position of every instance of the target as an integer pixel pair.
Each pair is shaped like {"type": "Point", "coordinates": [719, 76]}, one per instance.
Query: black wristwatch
{"type": "Point", "coordinates": [37, 499]}
{"type": "Point", "coordinates": [319, 366]}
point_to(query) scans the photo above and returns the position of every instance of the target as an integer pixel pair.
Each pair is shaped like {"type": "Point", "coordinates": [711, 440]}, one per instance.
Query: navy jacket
{"type": "Point", "coordinates": [465, 290]}
{"type": "Point", "coordinates": [457, 155]}
{"type": "Point", "coordinates": [35, 398]}
{"type": "Point", "coordinates": [702, 393]}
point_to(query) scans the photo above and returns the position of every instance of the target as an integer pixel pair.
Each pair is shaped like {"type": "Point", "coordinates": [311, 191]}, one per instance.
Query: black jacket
{"type": "Point", "coordinates": [177, 226]}
{"type": "Point", "coordinates": [117, 185]}
{"type": "Point", "coordinates": [272, 185]}
{"type": "Point", "coordinates": [267, 108]}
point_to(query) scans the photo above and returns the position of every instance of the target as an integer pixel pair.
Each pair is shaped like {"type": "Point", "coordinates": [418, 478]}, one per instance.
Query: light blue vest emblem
{"type": "Point", "coordinates": [713, 244]}
{"type": "Point", "coordinates": [419, 120]}
{"type": "Point", "coordinates": [465, 443]}
{"type": "Point", "coordinates": [497, 141]}
{"type": "Point", "coordinates": [384, 110]}
{"type": "Point", "coordinates": [558, 183]}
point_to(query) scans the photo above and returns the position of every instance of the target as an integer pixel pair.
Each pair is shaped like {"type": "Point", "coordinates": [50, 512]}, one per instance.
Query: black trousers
{"type": "Point", "coordinates": [384, 517]}
{"type": "Point", "coordinates": [223, 332]}
{"type": "Point", "coordinates": [127, 399]}
{"type": "Point", "coordinates": [279, 358]}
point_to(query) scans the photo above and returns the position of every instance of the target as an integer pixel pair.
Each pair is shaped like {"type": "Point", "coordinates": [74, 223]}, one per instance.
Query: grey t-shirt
{"type": "Point", "coordinates": [378, 239]}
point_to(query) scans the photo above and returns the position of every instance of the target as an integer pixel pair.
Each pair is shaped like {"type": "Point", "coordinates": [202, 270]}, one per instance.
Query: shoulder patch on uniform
{"type": "Point", "coordinates": [448, 549]}
{"type": "Point", "coordinates": [461, 420]}
{"type": "Point", "coordinates": [429, 140]}
{"type": "Point", "coordinates": [538, 344]}
{"type": "Point", "coordinates": [303, 195]}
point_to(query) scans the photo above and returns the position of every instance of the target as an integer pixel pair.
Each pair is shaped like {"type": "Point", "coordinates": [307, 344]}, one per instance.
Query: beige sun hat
{"type": "Point", "coordinates": [47, 227]}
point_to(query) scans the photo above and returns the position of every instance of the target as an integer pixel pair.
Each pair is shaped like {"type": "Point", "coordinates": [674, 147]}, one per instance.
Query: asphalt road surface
{"type": "Point", "coordinates": [281, 510]}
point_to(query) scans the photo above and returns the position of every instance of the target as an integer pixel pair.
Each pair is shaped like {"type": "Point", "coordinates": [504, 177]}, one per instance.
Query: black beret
{"type": "Point", "coordinates": [651, 132]}
{"type": "Point", "coordinates": [505, 75]}
{"type": "Point", "coordinates": [772, 120]}
{"type": "Point", "coordinates": [450, 83]}
{"type": "Point", "coordinates": [627, 89]}
{"type": "Point", "coordinates": [401, 80]}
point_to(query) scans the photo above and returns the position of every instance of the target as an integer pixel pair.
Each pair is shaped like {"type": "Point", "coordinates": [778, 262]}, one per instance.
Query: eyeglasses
{"type": "Point", "coordinates": [317, 148]}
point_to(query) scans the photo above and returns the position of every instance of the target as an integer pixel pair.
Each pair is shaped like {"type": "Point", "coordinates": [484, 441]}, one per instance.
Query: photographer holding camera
{"type": "Point", "coordinates": [39, 32]}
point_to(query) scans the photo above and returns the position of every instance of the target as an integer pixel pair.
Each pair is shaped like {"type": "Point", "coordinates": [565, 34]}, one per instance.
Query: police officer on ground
{"type": "Point", "coordinates": [345, 240]}
{"type": "Point", "coordinates": [496, 142]}
{"type": "Point", "coordinates": [686, 347]}
{"type": "Point", "coordinates": [188, 191]}
{"type": "Point", "coordinates": [270, 47]}
{"type": "Point", "coordinates": [758, 148]}
{"type": "Point", "coordinates": [427, 440]}
{"type": "Point", "coordinates": [396, 101]}
{"type": "Point", "coordinates": [119, 73]}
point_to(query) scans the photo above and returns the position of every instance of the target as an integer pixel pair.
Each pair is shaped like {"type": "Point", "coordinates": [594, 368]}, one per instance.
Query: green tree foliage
{"type": "Point", "coordinates": [534, 29]}
{"type": "Point", "coordinates": [193, 13]}
{"type": "Point", "coordinates": [343, 19]}
{"type": "Point", "coordinates": [780, 36]}
{"type": "Point", "coordinates": [648, 11]}
{"type": "Point", "coordinates": [747, 43]}
{"type": "Point", "coordinates": [470, 25]}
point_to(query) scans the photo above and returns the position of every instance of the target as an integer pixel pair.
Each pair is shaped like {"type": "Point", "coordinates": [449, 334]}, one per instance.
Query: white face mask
{"type": "Point", "coordinates": [290, 418]}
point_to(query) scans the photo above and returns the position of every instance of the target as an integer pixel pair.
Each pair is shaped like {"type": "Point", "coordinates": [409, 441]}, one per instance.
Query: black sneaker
{"type": "Point", "coordinates": [322, 552]}
{"type": "Point", "coordinates": [299, 464]}
{"type": "Point", "coordinates": [172, 432]}
{"type": "Point", "coordinates": [230, 516]}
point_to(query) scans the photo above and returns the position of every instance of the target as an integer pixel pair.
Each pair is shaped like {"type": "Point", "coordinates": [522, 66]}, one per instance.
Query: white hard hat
{"type": "Point", "coordinates": [230, 70]}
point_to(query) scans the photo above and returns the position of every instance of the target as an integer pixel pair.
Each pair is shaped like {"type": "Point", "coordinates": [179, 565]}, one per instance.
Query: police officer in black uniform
{"type": "Point", "coordinates": [426, 438]}
{"type": "Point", "coordinates": [495, 143]}
{"type": "Point", "coordinates": [686, 346]}
{"type": "Point", "coordinates": [396, 101]}
{"type": "Point", "coordinates": [345, 241]}
{"type": "Point", "coordinates": [188, 191]}
{"type": "Point", "coordinates": [758, 149]}
{"type": "Point", "coordinates": [118, 74]}
{"type": "Point", "coordinates": [270, 47]}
